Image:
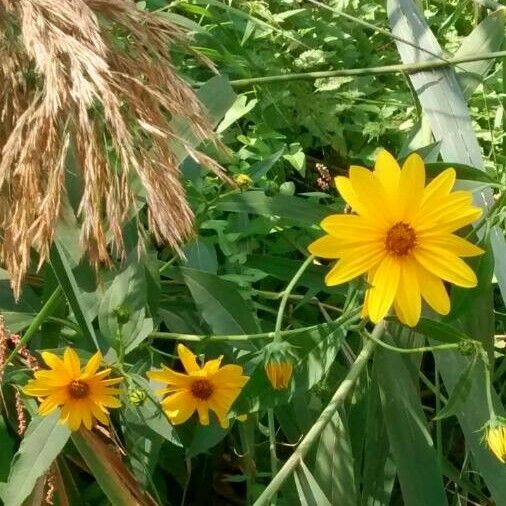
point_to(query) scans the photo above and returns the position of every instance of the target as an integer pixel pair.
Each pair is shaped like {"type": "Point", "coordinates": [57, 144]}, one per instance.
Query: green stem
{"type": "Point", "coordinates": [345, 319]}
{"type": "Point", "coordinates": [439, 428]}
{"type": "Point", "coordinates": [41, 317]}
{"type": "Point", "coordinates": [342, 392]}
{"type": "Point", "coordinates": [272, 447]}
{"type": "Point", "coordinates": [384, 69]}
{"type": "Point", "coordinates": [286, 295]}
{"type": "Point", "coordinates": [422, 349]}
{"type": "Point", "coordinates": [488, 389]}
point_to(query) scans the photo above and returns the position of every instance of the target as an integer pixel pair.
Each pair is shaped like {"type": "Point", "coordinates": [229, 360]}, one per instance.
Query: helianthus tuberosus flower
{"type": "Point", "coordinates": [83, 394]}
{"type": "Point", "coordinates": [401, 235]}
{"type": "Point", "coordinates": [495, 437]}
{"type": "Point", "coordinates": [200, 389]}
{"type": "Point", "coordinates": [278, 364]}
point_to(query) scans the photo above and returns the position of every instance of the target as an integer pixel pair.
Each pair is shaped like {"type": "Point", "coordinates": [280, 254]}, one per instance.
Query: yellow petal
{"type": "Point", "coordinates": [351, 266]}
{"type": "Point", "coordinates": [93, 364]}
{"type": "Point", "coordinates": [440, 186]}
{"type": "Point", "coordinates": [411, 186]}
{"type": "Point", "coordinates": [169, 376]}
{"type": "Point", "coordinates": [446, 266]}
{"type": "Point", "coordinates": [179, 407]}
{"type": "Point", "coordinates": [211, 366]}
{"type": "Point", "coordinates": [454, 244]}
{"type": "Point", "coordinates": [330, 247]}
{"type": "Point", "coordinates": [408, 301]}
{"type": "Point", "coordinates": [433, 291]}
{"type": "Point", "coordinates": [203, 410]}
{"type": "Point", "coordinates": [373, 198]}
{"type": "Point", "coordinates": [387, 170]}
{"type": "Point", "coordinates": [385, 283]}
{"type": "Point", "coordinates": [53, 361]}
{"type": "Point", "coordinates": [72, 363]}
{"type": "Point", "coordinates": [351, 227]}
{"type": "Point", "coordinates": [188, 359]}
{"type": "Point", "coordinates": [344, 187]}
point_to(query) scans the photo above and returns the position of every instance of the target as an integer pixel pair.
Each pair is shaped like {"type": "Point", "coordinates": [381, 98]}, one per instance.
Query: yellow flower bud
{"type": "Point", "coordinates": [495, 437]}
{"type": "Point", "coordinates": [279, 374]}
{"type": "Point", "coordinates": [243, 181]}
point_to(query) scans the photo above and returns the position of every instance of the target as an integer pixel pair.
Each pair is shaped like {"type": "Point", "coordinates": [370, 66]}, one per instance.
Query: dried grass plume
{"type": "Point", "coordinates": [92, 79]}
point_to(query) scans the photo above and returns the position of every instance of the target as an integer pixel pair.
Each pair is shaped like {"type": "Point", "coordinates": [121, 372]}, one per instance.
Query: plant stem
{"type": "Point", "coordinates": [41, 317]}
{"type": "Point", "coordinates": [272, 447]}
{"type": "Point", "coordinates": [384, 69]}
{"type": "Point", "coordinates": [345, 319]}
{"type": "Point", "coordinates": [422, 349]}
{"type": "Point", "coordinates": [286, 295]}
{"type": "Point", "coordinates": [344, 389]}
{"type": "Point", "coordinates": [488, 389]}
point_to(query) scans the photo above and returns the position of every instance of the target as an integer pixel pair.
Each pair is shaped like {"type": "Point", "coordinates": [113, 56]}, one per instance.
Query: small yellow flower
{"type": "Point", "coordinates": [402, 235]}
{"type": "Point", "coordinates": [243, 181]}
{"type": "Point", "coordinates": [279, 373]}
{"type": "Point", "coordinates": [201, 389]}
{"type": "Point", "coordinates": [83, 394]}
{"type": "Point", "coordinates": [495, 437]}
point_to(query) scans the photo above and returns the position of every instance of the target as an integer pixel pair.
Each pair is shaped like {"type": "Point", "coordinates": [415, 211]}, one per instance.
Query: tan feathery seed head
{"type": "Point", "coordinates": [92, 79]}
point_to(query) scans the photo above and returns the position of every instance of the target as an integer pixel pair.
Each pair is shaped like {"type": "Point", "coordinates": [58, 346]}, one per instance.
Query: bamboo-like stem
{"type": "Point", "coordinates": [342, 392]}
{"type": "Point", "coordinates": [286, 295]}
{"type": "Point", "coordinates": [42, 316]}
{"type": "Point", "coordinates": [408, 68]}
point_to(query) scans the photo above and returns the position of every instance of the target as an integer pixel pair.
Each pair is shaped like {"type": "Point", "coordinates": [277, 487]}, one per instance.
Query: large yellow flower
{"type": "Point", "coordinates": [201, 389]}
{"type": "Point", "coordinates": [401, 235]}
{"type": "Point", "coordinates": [83, 394]}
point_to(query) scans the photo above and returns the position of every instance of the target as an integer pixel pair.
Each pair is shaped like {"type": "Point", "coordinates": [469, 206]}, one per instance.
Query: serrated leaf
{"type": "Point", "coordinates": [44, 440]}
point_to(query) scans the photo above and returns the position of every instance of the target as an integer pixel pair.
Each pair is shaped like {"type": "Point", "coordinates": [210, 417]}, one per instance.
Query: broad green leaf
{"type": "Point", "coordinates": [440, 331]}
{"type": "Point", "coordinates": [239, 108]}
{"type": "Point", "coordinates": [464, 172]}
{"type": "Point", "coordinates": [67, 281]}
{"type": "Point", "coordinates": [117, 482]}
{"type": "Point", "coordinates": [459, 393]}
{"type": "Point", "coordinates": [487, 37]}
{"type": "Point", "coordinates": [310, 493]}
{"type": "Point", "coordinates": [292, 210]}
{"type": "Point", "coordinates": [220, 304]}
{"type": "Point", "coordinates": [217, 96]}
{"type": "Point", "coordinates": [8, 448]}
{"type": "Point", "coordinates": [127, 294]}
{"type": "Point", "coordinates": [412, 446]}
{"type": "Point", "coordinates": [334, 467]}
{"type": "Point", "coordinates": [44, 440]}
{"type": "Point", "coordinates": [259, 169]}
{"type": "Point", "coordinates": [201, 255]}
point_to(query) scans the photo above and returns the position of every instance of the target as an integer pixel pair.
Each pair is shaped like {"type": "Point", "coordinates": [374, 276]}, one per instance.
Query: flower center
{"type": "Point", "coordinates": [202, 389]}
{"type": "Point", "coordinates": [401, 239]}
{"type": "Point", "coordinates": [78, 389]}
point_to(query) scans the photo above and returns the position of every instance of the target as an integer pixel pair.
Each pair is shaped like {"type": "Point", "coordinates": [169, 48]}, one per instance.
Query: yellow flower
{"type": "Point", "coordinates": [83, 394]}
{"type": "Point", "coordinates": [401, 235]}
{"type": "Point", "coordinates": [279, 373]}
{"type": "Point", "coordinates": [201, 389]}
{"type": "Point", "coordinates": [496, 441]}
{"type": "Point", "coordinates": [243, 181]}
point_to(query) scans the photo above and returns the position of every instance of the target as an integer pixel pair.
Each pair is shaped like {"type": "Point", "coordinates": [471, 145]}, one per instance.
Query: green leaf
{"type": "Point", "coordinates": [201, 255]}
{"type": "Point", "coordinates": [220, 304]}
{"type": "Point", "coordinates": [8, 449]}
{"type": "Point", "coordinates": [440, 331]}
{"type": "Point", "coordinates": [292, 210]}
{"type": "Point", "coordinates": [239, 108]}
{"type": "Point", "coordinates": [334, 467]}
{"type": "Point", "coordinates": [217, 96]}
{"type": "Point", "coordinates": [127, 293]}
{"type": "Point", "coordinates": [68, 282]}
{"type": "Point", "coordinates": [487, 37]}
{"type": "Point", "coordinates": [44, 440]}
{"type": "Point", "coordinates": [464, 172]}
{"type": "Point", "coordinates": [412, 446]}
{"type": "Point", "coordinates": [310, 493]}
{"type": "Point", "coordinates": [259, 169]}
{"type": "Point", "coordinates": [459, 393]}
